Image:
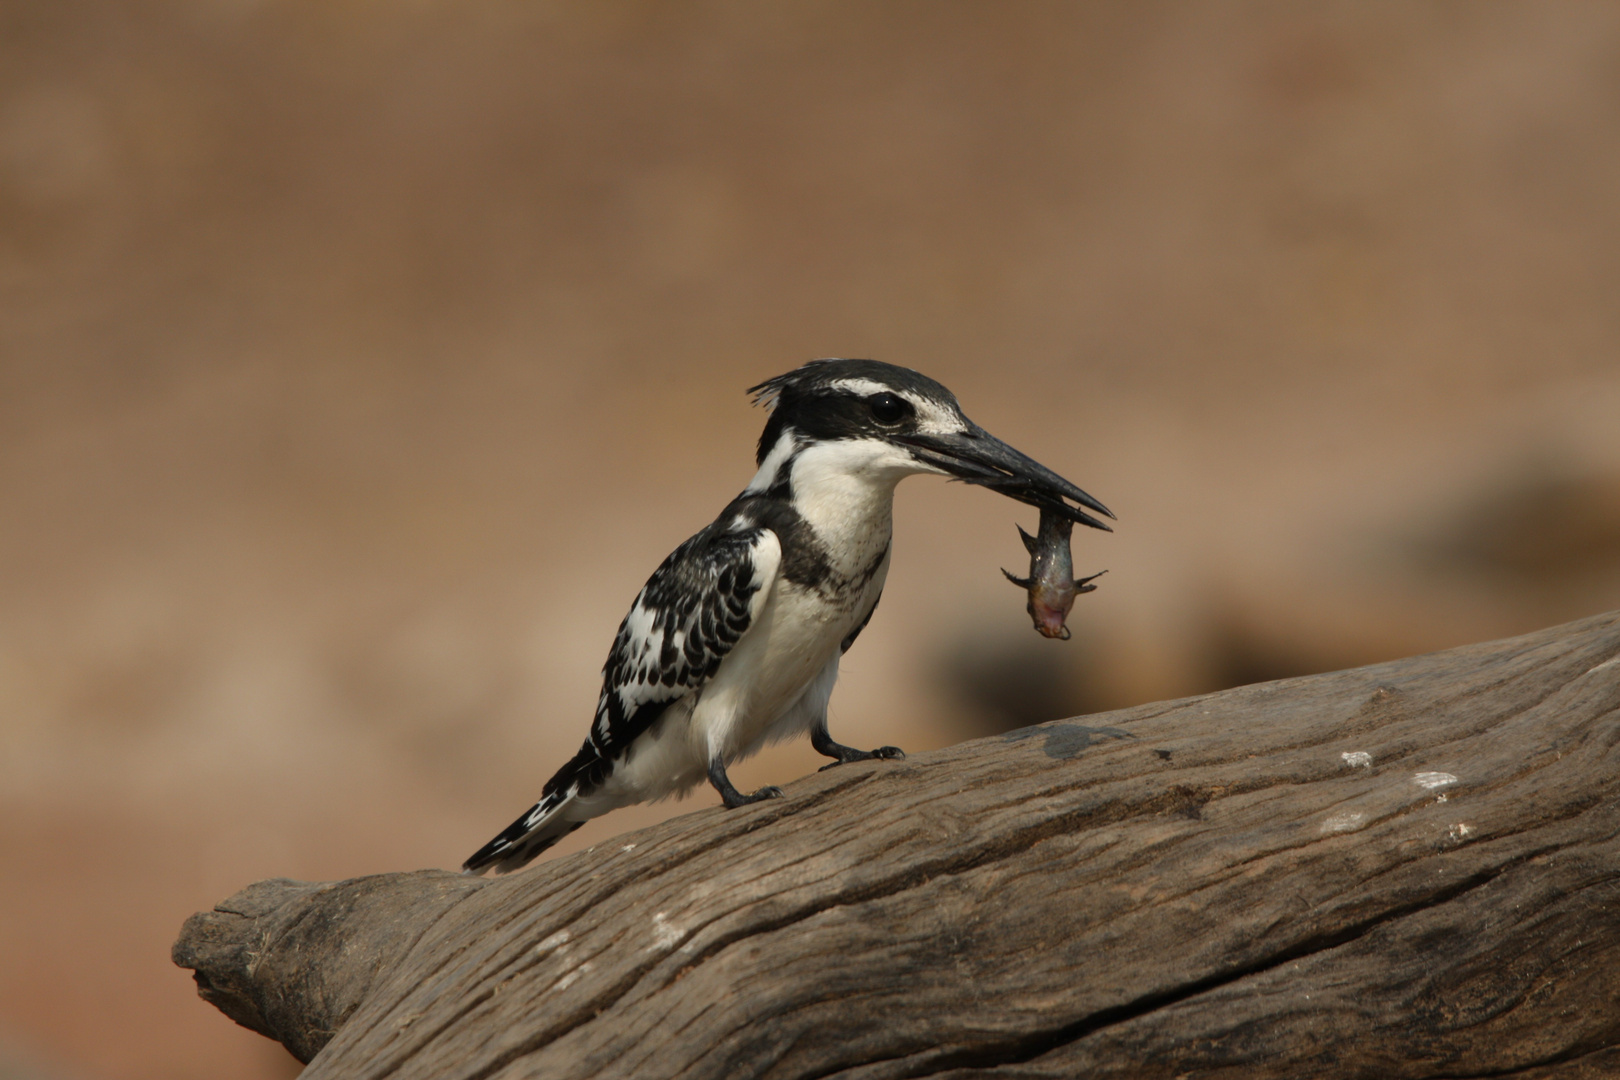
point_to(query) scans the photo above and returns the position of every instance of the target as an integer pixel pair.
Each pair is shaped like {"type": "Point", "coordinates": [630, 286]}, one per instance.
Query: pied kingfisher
{"type": "Point", "coordinates": [734, 641]}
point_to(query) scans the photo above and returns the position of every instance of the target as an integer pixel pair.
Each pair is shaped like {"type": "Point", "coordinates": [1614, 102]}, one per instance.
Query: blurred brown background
{"type": "Point", "coordinates": [359, 360]}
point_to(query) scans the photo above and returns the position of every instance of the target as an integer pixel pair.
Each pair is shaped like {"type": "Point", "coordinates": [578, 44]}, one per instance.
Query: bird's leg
{"type": "Point", "coordinates": [734, 798]}
{"type": "Point", "coordinates": [824, 745]}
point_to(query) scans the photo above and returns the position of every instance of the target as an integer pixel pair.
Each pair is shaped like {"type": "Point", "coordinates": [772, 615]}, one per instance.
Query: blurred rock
{"type": "Point", "coordinates": [1550, 531]}
{"type": "Point", "coordinates": [15, 1065]}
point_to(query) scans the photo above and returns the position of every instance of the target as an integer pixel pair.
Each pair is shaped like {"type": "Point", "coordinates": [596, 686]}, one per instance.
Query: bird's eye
{"type": "Point", "coordinates": [889, 408]}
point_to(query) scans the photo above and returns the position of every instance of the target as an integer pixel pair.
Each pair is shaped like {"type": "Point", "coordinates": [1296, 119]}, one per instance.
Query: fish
{"type": "Point", "coordinates": [1051, 583]}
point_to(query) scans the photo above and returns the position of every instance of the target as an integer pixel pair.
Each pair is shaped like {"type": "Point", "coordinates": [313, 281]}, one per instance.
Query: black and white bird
{"type": "Point", "coordinates": [734, 641]}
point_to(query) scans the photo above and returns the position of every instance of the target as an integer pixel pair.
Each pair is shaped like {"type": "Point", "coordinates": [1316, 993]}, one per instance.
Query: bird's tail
{"type": "Point", "coordinates": [548, 821]}
{"type": "Point", "coordinates": [528, 836]}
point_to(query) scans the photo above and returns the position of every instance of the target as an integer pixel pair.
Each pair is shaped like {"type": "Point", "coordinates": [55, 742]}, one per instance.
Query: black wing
{"type": "Point", "coordinates": [688, 616]}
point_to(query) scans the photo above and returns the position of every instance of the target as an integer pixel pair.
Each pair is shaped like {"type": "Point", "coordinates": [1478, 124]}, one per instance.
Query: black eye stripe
{"type": "Point", "coordinates": [834, 415]}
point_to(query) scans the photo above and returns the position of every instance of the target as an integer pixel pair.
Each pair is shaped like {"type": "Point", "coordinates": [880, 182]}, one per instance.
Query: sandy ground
{"type": "Point", "coordinates": [358, 362]}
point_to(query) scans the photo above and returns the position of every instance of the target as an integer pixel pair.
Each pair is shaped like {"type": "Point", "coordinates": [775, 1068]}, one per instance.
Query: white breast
{"type": "Point", "coordinates": [781, 657]}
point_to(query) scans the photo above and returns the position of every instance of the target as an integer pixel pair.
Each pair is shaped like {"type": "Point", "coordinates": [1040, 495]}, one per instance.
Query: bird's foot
{"type": "Point", "coordinates": [737, 798]}
{"type": "Point", "coordinates": [729, 793]}
{"type": "Point", "coordinates": [847, 754]}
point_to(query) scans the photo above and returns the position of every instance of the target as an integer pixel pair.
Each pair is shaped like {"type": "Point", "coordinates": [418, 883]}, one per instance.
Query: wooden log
{"type": "Point", "coordinates": [1407, 870]}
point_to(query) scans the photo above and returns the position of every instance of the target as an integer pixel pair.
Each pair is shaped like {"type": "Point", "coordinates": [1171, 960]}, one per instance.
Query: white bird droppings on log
{"type": "Point", "coordinates": [1345, 821]}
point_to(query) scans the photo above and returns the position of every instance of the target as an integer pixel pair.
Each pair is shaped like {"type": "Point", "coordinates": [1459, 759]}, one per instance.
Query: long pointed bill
{"type": "Point", "coordinates": [978, 457]}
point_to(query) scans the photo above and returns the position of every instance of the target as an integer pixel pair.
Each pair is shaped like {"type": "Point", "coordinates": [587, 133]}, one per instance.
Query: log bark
{"type": "Point", "coordinates": [1406, 870]}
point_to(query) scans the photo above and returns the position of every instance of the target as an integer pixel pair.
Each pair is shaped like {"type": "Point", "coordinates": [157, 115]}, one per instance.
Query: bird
{"type": "Point", "coordinates": [735, 640]}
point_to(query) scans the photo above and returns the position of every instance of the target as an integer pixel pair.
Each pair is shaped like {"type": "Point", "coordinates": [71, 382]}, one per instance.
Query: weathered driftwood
{"type": "Point", "coordinates": [1409, 870]}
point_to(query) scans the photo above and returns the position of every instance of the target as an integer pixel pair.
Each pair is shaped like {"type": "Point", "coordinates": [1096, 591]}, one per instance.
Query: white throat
{"type": "Point", "coordinates": [844, 490]}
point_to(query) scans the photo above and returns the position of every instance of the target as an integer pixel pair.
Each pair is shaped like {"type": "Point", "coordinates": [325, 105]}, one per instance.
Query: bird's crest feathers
{"type": "Point", "coordinates": [820, 376]}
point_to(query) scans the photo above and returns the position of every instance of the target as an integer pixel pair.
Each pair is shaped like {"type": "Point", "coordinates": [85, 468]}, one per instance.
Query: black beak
{"type": "Point", "coordinates": [978, 457]}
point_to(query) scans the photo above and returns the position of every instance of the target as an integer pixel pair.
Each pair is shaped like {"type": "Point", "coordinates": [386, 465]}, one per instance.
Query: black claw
{"type": "Point", "coordinates": [730, 795]}
{"type": "Point", "coordinates": [849, 754]}
{"type": "Point", "coordinates": [737, 798]}
{"type": "Point", "coordinates": [1030, 543]}
{"type": "Point", "coordinates": [843, 755]}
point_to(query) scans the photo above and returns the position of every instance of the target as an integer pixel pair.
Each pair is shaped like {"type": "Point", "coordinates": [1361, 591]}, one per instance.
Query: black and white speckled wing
{"type": "Point", "coordinates": [690, 614]}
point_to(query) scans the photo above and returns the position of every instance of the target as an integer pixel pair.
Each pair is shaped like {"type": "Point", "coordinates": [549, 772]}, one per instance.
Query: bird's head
{"type": "Point", "coordinates": [893, 421]}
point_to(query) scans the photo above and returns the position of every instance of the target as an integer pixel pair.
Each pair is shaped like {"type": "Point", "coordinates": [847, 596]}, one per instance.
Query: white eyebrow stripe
{"type": "Point", "coordinates": [864, 387]}
{"type": "Point", "coordinates": [932, 417]}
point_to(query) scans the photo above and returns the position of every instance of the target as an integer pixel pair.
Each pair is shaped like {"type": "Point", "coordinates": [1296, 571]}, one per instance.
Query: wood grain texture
{"type": "Point", "coordinates": [1407, 870]}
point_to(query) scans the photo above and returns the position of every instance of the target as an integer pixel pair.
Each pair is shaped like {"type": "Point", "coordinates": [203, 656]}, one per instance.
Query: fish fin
{"type": "Point", "coordinates": [1031, 545]}
{"type": "Point", "coordinates": [1084, 584]}
{"type": "Point", "coordinates": [1021, 582]}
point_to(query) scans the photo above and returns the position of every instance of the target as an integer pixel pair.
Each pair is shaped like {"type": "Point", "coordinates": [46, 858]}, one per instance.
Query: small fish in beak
{"type": "Point", "coordinates": [1051, 583]}
{"type": "Point", "coordinates": [975, 456]}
